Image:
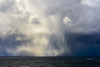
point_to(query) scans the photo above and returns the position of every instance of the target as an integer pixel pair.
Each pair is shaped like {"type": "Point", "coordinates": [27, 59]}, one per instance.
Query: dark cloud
{"type": "Point", "coordinates": [35, 21]}
{"type": "Point", "coordinates": [83, 44]}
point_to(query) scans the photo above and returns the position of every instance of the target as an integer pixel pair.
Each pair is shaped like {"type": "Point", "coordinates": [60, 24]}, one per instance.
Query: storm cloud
{"type": "Point", "coordinates": [42, 27]}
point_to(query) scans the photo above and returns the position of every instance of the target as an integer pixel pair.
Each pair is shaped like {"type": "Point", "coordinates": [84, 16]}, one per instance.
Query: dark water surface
{"type": "Point", "coordinates": [49, 62]}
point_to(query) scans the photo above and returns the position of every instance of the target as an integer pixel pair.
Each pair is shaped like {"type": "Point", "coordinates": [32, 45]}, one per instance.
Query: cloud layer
{"type": "Point", "coordinates": [38, 28]}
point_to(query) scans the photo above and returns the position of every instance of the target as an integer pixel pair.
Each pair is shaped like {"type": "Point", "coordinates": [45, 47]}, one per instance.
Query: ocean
{"type": "Point", "coordinates": [49, 62]}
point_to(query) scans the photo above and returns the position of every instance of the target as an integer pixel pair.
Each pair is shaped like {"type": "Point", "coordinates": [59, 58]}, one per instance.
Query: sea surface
{"type": "Point", "coordinates": [49, 62]}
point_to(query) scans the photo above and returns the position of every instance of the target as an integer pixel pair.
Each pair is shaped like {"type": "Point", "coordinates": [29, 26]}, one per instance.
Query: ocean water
{"type": "Point", "coordinates": [49, 62]}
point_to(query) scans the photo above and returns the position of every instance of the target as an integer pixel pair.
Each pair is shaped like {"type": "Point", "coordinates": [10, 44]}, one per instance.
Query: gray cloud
{"type": "Point", "coordinates": [37, 28]}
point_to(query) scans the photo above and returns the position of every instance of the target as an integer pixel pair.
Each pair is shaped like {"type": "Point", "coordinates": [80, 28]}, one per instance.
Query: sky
{"type": "Point", "coordinates": [49, 28]}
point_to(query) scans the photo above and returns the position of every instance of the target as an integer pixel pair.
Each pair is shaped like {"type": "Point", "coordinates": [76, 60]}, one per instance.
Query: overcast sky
{"type": "Point", "coordinates": [49, 28]}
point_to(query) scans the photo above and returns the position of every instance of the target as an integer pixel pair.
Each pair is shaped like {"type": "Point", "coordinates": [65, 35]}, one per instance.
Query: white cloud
{"type": "Point", "coordinates": [35, 26]}
{"type": "Point", "coordinates": [91, 3]}
{"type": "Point", "coordinates": [66, 20]}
